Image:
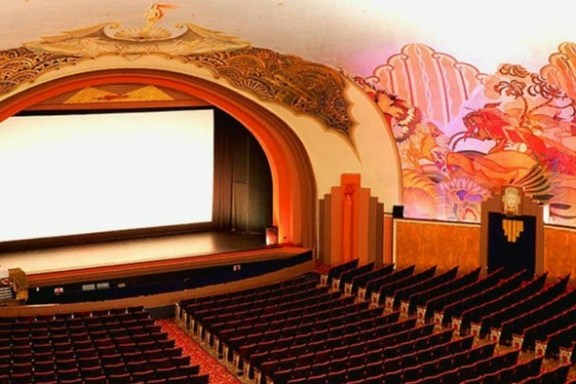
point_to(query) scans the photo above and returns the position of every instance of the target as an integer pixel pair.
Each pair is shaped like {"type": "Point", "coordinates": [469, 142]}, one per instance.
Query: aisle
{"type": "Point", "coordinates": [208, 364]}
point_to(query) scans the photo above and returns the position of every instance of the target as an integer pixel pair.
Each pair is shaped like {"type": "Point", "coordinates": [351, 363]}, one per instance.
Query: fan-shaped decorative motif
{"type": "Point", "coordinates": [435, 82]}
{"type": "Point", "coordinates": [18, 66]}
{"type": "Point", "coordinates": [560, 70]}
{"type": "Point", "coordinates": [303, 86]}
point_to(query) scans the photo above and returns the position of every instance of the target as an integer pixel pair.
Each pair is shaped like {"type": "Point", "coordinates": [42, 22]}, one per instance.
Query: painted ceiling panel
{"type": "Point", "coordinates": [356, 35]}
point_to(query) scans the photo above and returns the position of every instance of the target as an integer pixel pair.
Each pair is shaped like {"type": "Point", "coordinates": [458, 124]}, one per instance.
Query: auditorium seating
{"type": "Point", "coordinates": [337, 270]}
{"type": "Point", "coordinates": [359, 281]}
{"type": "Point", "coordinates": [456, 308]}
{"type": "Point", "coordinates": [304, 331]}
{"type": "Point", "coordinates": [547, 326]}
{"type": "Point", "coordinates": [107, 346]}
{"type": "Point", "coordinates": [555, 375]}
{"type": "Point", "coordinates": [516, 325]}
{"type": "Point", "coordinates": [385, 293]}
{"type": "Point", "coordinates": [374, 284]}
{"type": "Point", "coordinates": [347, 276]}
{"type": "Point", "coordinates": [437, 303]}
{"type": "Point", "coordinates": [497, 317]}
{"type": "Point", "coordinates": [417, 301]}
{"type": "Point", "coordinates": [507, 299]}
{"type": "Point", "coordinates": [402, 295]}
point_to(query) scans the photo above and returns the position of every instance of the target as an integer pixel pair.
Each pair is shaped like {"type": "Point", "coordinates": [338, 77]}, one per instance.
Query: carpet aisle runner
{"type": "Point", "coordinates": [208, 364]}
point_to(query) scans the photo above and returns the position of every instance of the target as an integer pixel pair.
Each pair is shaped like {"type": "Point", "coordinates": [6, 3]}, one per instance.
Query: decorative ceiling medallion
{"type": "Point", "coordinates": [101, 40]}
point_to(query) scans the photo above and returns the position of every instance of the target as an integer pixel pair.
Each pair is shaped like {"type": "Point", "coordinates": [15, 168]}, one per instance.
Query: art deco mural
{"type": "Point", "coordinates": [462, 135]}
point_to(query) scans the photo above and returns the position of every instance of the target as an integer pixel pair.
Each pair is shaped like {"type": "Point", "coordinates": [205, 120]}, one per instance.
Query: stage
{"type": "Point", "coordinates": [138, 257]}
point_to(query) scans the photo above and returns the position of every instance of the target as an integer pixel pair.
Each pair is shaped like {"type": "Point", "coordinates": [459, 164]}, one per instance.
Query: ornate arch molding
{"type": "Point", "coordinates": [294, 186]}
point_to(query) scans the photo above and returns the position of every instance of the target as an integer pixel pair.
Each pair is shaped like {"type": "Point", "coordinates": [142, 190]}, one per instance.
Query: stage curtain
{"type": "Point", "coordinates": [242, 179]}
{"type": "Point", "coordinates": [222, 205]}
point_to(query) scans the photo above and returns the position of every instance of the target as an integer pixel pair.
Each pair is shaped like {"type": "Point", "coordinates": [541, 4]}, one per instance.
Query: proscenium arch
{"type": "Point", "coordinates": [294, 186]}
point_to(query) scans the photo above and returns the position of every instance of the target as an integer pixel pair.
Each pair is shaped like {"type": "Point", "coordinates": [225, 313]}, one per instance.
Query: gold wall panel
{"type": "Point", "coordinates": [433, 243]}
{"type": "Point", "coordinates": [427, 243]}
{"type": "Point", "coordinates": [559, 251]}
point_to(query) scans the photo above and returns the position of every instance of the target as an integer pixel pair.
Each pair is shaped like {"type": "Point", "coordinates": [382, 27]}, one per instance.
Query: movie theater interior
{"type": "Point", "coordinates": [287, 192]}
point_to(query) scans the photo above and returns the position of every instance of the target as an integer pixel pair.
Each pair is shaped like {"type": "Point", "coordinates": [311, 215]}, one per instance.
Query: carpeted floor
{"type": "Point", "coordinates": [208, 364]}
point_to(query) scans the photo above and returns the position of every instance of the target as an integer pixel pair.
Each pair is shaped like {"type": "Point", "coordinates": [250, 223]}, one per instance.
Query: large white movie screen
{"type": "Point", "coordinates": [88, 173]}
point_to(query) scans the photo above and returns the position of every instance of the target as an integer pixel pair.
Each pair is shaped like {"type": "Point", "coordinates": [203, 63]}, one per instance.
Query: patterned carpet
{"type": "Point", "coordinates": [208, 364]}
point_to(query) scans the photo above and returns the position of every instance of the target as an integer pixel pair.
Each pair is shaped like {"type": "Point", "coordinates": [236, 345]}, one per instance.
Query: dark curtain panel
{"type": "Point", "coordinates": [242, 179]}
{"type": "Point", "coordinates": [222, 204]}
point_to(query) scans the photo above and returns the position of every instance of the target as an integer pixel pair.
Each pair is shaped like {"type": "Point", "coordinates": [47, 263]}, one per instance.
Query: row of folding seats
{"type": "Point", "coordinates": [545, 327]}
{"type": "Point", "coordinates": [17, 326]}
{"type": "Point", "coordinates": [437, 303]}
{"type": "Point", "coordinates": [246, 350]}
{"type": "Point", "coordinates": [274, 297]}
{"type": "Point", "coordinates": [114, 379]}
{"type": "Point", "coordinates": [475, 313]}
{"type": "Point", "coordinates": [373, 285]}
{"type": "Point", "coordinates": [517, 324]}
{"type": "Point", "coordinates": [359, 319]}
{"type": "Point", "coordinates": [363, 374]}
{"type": "Point", "coordinates": [378, 297]}
{"type": "Point", "coordinates": [64, 371]}
{"type": "Point", "coordinates": [508, 374]}
{"type": "Point", "coordinates": [563, 337]}
{"type": "Point", "coordinates": [339, 312]}
{"type": "Point", "coordinates": [373, 350]}
{"type": "Point", "coordinates": [221, 332]}
{"type": "Point", "coordinates": [115, 346]}
{"type": "Point", "coordinates": [362, 279]}
{"type": "Point", "coordinates": [515, 373]}
{"type": "Point", "coordinates": [67, 315]}
{"type": "Point", "coordinates": [292, 334]}
{"type": "Point", "coordinates": [429, 354]}
{"type": "Point", "coordinates": [145, 335]}
{"type": "Point", "coordinates": [340, 371]}
{"type": "Point", "coordinates": [93, 358]}
{"type": "Point", "coordinates": [366, 342]}
{"type": "Point", "coordinates": [487, 365]}
{"type": "Point", "coordinates": [419, 299]}
{"type": "Point", "coordinates": [136, 372]}
{"type": "Point", "coordinates": [323, 343]}
{"type": "Point", "coordinates": [546, 295]}
{"type": "Point", "coordinates": [348, 276]}
{"type": "Point", "coordinates": [225, 297]}
{"type": "Point", "coordinates": [221, 322]}
{"type": "Point", "coordinates": [350, 337]}
{"type": "Point", "coordinates": [459, 375]}
{"type": "Point", "coordinates": [334, 303]}
{"type": "Point", "coordinates": [75, 352]}
{"type": "Point", "coordinates": [335, 271]}
{"type": "Point", "coordinates": [403, 294]}
{"type": "Point", "coordinates": [104, 354]}
{"type": "Point", "coordinates": [455, 308]}
{"type": "Point", "coordinates": [250, 295]}
{"type": "Point", "coordinates": [557, 375]}
{"type": "Point", "coordinates": [272, 300]}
